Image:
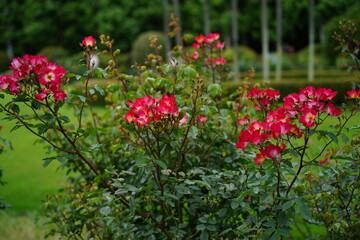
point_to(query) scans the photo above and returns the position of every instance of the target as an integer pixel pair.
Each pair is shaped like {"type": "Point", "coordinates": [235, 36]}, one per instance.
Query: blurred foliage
{"type": "Point", "coordinates": [141, 47]}
{"type": "Point", "coordinates": [4, 61]}
{"type": "Point", "coordinates": [31, 25]}
{"type": "Point", "coordinates": [330, 43]}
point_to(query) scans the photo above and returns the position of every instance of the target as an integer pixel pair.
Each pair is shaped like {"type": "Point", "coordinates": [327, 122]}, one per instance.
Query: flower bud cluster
{"type": "Point", "coordinates": [147, 109]}
{"type": "Point", "coordinates": [35, 75]}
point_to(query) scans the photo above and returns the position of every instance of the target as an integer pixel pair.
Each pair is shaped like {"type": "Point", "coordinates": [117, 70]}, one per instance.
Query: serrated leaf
{"type": "Point", "coordinates": [99, 89]}
{"type": "Point", "coordinates": [70, 75]}
{"type": "Point", "coordinates": [204, 235]}
{"type": "Point", "coordinates": [332, 136]}
{"type": "Point", "coordinates": [17, 126]}
{"type": "Point", "coordinates": [344, 138]}
{"type": "Point", "coordinates": [201, 227]}
{"type": "Point", "coordinates": [161, 164]}
{"type": "Point", "coordinates": [234, 204]}
{"type": "Point", "coordinates": [287, 205]}
{"type": "Point", "coordinates": [214, 90]}
{"type": "Point", "coordinates": [15, 108]}
{"type": "Point", "coordinates": [193, 132]}
{"type": "Point", "coordinates": [105, 210]}
{"type": "Point", "coordinates": [36, 104]}
{"type": "Point", "coordinates": [304, 210]}
{"type": "Point", "coordinates": [82, 98]}
{"type": "Point", "coordinates": [293, 152]}
{"type": "Point", "coordinates": [64, 119]}
{"type": "Point", "coordinates": [47, 161]}
{"type": "Point", "coordinates": [211, 228]}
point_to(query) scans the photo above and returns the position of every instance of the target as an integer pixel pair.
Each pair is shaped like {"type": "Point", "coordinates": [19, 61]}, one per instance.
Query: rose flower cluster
{"type": "Point", "coordinates": [147, 109]}
{"type": "Point", "coordinates": [301, 108]}
{"type": "Point", "coordinates": [36, 76]}
{"type": "Point", "coordinates": [211, 42]}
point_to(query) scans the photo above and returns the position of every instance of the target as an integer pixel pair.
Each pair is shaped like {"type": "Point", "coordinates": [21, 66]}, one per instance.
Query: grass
{"type": "Point", "coordinates": [16, 227]}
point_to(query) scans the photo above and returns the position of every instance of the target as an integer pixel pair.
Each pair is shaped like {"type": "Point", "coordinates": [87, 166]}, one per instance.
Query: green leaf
{"type": "Point", "coordinates": [201, 227]}
{"type": "Point", "coordinates": [345, 139]}
{"type": "Point", "coordinates": [36, 104]}
{"type": "Point", "coordinates": [161, 164]}
{"type": "Point", "coordinates": [214, 90]}
{"type": "Point", "coordinates": [332, 136]}
{"type": "Point", "coordinates": [204, 235]}
{"type": "Point", "coordinates": [105, 210]}
{"type": "Point", "coordinates": [47, 161]}
{"type": "Point", "coordinates": [211, 228]}
{"type": "Point", "coordinates": [69, 75]}
{"type": "Point", "coordinates": [304, 210]}
{"type": "Point", "coordinates": [82, 98]}
{"type": "Point", "coordinates": [193, 132]}
{"type": "Point", "coordinates": [65, 119]}
{"type": "Point", "coordinates": [287, 205]}
{"type": "Point", "coordinates": [17, 126]}
{"type": "Point", "coordinates": [15, 108]}
{"type": "Point", "coordinates": [292, 152]}
{"type": "Point", "coordinates": [99, 89]}
{"type": "Point", "coordinates": [172, 196]}
{"type": "Point", "coordinates": [92, 91]}
{"type": "Point", "coordinates": [234, 204]}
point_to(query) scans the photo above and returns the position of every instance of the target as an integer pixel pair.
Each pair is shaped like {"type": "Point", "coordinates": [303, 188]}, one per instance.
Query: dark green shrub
{"type": "Point", "coordinates": [141, 46]}
{"type": "Point", "coordinates": [54, 54]}
{"type": "Point", "coordinates": [330, 43]}
{"type": "Point", "coordinates": [302, 58]}
{"type": "Point", "coordinates": [4, 61]}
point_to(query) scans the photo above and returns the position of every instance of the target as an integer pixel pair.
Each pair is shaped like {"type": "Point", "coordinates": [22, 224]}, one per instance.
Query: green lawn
{"type": "Point", "coordinates": [27, 180]}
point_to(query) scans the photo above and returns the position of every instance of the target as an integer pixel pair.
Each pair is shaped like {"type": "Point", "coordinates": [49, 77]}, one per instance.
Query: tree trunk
{"type": "Point", "coordinates": [235, 36]}
{"type": "Point", "coordinates": [278, 39]}
{"type": "Point", "coordinates": [166, 21]}
{"type": "Point", "coordinates": [265, 41]}
{"type": "Point", "coordinates": [311, 40]}
{"type": "Point", "coordinates": [206, 15]}
{"type": "Point", "coordinates": [177, 15]}
{"type": "Point", "coordinates": [9, 45]}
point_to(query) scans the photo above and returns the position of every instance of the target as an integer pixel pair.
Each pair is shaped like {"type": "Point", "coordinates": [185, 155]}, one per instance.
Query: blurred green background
{"type": "Point", "coordinates": [54, 28]}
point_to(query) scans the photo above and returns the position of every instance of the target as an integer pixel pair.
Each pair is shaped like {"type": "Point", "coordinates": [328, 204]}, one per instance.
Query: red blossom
{"type": "Point", "coordinates": [308, 117]}
{"type": "Point", "coordinates": [333, 111]}
{"type": "Point", "coordinates": [201, 118]}
{"type": "Point", "coordinates": [88, 41]}
{"type": "Point", "coordinates": [353, 94]}
{"type": "Point", "coordinates": [183, 120]}
{"type": "Point", "coordinates": [243, 121]}
{"type": "Point", "coordinates": [272, 151]}
{"type": "Point", "coordinates": [35, 70]}
{"type": "Point", "coordinates": [220, 45]}
{"type": "Point", "coordinates": [200, 39]}
{"type": "Point", "coordinates": [147, 109]}
{"type": "Point", "coordinates": [260, 158]}
{"type": "Point", "coordinates": [196, 55]}
{"type": "Point", "coordinates": [219, 61]}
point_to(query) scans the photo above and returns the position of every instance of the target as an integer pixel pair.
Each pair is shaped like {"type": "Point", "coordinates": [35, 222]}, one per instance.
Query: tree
{"type": "Point", "coordinates": [278, 39]}
{"type": "Point", "coordinates": [311, 40]}
{"type": "Point", "coordinates": [265, 41]}
{"type": "Point", "coordinates": [9, 44]}
{"type": "Point", "coordinates": [234, 33]}
{"type": "Point", "coordinates": [165, 5]}
{"type": "Point", "coordinates": [206, 11]}
{"type": "Point", "coordinates": [177, 15]}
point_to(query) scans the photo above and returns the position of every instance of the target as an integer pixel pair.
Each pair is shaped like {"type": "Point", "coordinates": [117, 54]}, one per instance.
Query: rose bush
{"type": "Point", "coordinates": [173, 158]}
